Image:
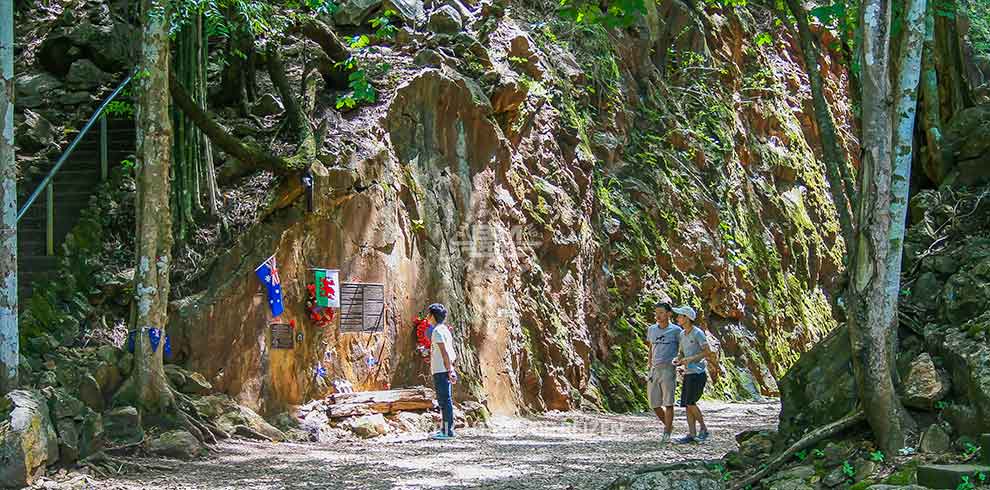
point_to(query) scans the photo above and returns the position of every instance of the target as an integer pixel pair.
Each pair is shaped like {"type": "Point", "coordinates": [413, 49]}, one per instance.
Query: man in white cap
{"type": "Point", "coordinates": [693, 351]}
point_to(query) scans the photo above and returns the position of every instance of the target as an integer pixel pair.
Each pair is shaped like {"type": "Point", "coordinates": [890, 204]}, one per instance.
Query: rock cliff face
{"type": "Point", "coordinates": [548, 182]}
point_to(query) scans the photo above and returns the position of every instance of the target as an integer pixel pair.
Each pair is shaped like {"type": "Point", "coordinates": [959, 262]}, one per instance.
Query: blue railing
{"type": "Point", "coordinates": [46, 183]}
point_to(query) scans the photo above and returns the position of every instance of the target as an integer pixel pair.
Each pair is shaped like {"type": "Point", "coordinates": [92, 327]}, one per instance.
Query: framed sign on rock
{"type": "Point", "coordinates": [362, 307]}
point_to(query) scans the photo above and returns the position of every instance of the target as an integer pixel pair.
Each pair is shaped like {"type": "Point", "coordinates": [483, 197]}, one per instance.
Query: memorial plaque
{"type": "Point", "coordinates": [282, 336]}
{"type": "Point", "coordinates": [362, 307]}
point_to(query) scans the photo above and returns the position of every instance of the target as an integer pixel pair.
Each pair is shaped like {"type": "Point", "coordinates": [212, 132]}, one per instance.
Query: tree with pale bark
{"type": "Point", "coordinates": [9, 357]}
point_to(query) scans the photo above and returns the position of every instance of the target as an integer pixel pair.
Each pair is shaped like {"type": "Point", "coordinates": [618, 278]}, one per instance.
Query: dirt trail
{"type": "Point", "coordinates": [549, 452]}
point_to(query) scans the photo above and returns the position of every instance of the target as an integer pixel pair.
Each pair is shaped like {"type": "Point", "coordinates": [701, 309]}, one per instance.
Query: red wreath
{"type": "Point", "coordinates": [422, 340]}
{"type": "Point", "coordinates": [321, 316]}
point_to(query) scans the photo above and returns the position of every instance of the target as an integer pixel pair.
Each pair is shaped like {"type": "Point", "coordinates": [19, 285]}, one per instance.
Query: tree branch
{"type": "Point", "coordinates": [808, 440]}
{"type": "Point", "coordinates": [250, 158]}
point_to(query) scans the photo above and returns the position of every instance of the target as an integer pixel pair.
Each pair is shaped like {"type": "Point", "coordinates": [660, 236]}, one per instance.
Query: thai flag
{"type": "Point", "coordinates": [268, 274]}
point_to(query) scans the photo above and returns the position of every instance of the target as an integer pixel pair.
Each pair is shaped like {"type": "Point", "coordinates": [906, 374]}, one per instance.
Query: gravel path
{"type": "Point", "coordinates": [548, 452]}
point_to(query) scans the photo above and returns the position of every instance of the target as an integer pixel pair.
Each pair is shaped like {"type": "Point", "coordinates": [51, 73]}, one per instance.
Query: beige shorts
{"type": "Point", "coordinates": [663, 381]}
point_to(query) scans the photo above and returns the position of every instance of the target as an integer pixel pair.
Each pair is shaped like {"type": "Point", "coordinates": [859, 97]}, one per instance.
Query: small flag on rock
{"type": "Point", "coordinates": [268, 274]}
{"type": "Point", "coordinates": [326, 288]}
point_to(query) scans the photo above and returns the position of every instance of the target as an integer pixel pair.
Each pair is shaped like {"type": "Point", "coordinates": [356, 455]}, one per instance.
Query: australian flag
{"type": "Point", "coordinates": [268, 274]}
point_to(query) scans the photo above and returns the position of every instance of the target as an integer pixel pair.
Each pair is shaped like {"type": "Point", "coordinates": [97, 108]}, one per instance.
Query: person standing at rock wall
{"type": "Point", "coordinates": [442, 365]}
{"type": "Point", "coordinates": [664, 338]}
{"type": "Point", "coordinates": [694, 350]}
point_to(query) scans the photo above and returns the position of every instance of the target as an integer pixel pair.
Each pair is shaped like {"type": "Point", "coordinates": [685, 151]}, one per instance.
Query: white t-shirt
{"type": "Point", "coordinates": [441, 334]}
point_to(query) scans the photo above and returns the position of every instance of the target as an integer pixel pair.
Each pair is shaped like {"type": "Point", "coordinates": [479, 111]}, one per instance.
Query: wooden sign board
{"type": "Point", "coordinates": [282, 336]}
{"type": "Point", "coordinates": [362, 307]}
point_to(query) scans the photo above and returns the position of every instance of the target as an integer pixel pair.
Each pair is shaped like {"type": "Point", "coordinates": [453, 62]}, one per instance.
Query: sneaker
{"type": "Point", "coordinates": [703, 435]}
{"type": "Point", "coordinates": [686, 439]}
{"type": "Point", "coordinates": [665, 439]}
{"type": "Point", "coordinates": [439, 436]}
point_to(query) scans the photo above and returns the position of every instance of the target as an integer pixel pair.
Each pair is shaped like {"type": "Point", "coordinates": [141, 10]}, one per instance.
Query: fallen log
{"type": "Point", "coordinates": [341, 405]}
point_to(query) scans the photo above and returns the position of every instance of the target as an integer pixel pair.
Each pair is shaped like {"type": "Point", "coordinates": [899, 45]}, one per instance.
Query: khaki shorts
{"type": "Point", "coordinates": [663, 381]}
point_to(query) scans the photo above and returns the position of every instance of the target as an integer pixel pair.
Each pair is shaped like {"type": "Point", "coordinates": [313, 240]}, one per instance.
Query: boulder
{"type": "Point", "coordinates": [935, 440]}
{"type": "Point", "coordinates": [355, 12]}
{"type": "Point", "coordinates": [35, 133]}
{"type": "Point", "coordinates": [966, 147]}
{"type": "Point", "coordinates": [90, 392]}
{"type": "Point", "coordinates": [801, 473]}
{"type": "Point", "coordinates": [28, 441]}
{"type": "Point", "coordinates": [32, 88]}
{"type": "Point", "coordinates": [834, 478]}
{"type": "Point", "coordinates": [412, 12]}
{"type": "Point", "coordinates": [367, 426]}
{"type": "Point", "coordinates": [176, 444]}
{"type": "Point", "coordinates": [85, 75]}
{"type": "Point", "coordinates": [109, 43]}
{"type": "Point", "coordinates": [428, 58]}
{"type": "Point", "coordinates": [968, 362]}
{"type": "Point", "coordinates": [694, 477]}
{"type": "Point", "coordinates": [79, 429]}
{"type": "Point", "coordinates": [123, 424]}
{"type": "Point", "coordinates": [819, 388]}
{"type": "Point", "coordinates": [445, 20]}
{"type": "Point", "coordinates": [924, 385]}
{"type": "Point", "coordinates": [107, 375]}
{"type": "Point", "coordinates": [947, 476]}
{"type": "Point", "coordinates": [234, 415]}
{"type": "Point", "coordinates": [189, 382]}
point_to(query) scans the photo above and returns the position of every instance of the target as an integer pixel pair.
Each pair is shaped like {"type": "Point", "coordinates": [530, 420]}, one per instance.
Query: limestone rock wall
{"type": "Point", "coordinates": [548, 182]}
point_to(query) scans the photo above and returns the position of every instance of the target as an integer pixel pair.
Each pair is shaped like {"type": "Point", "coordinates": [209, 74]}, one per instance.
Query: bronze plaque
{"type": "Point", "coordinates": [282, 336]}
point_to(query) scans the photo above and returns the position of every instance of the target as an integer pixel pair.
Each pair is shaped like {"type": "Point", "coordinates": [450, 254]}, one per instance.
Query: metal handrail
{"type": "Point", "coordinates": [72, 146]}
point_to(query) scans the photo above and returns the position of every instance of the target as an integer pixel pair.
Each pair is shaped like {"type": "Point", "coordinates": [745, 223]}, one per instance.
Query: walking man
{"type": "Point", "coordinates": [693, 351]}
{"type": "Point", "coordinates": [442, 365]}
{"type": "Point", "coordinates": [664, 338]}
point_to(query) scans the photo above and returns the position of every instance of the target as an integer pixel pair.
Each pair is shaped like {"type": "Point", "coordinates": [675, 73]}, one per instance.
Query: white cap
{"type": "Point", "coordinates": [686, 311]}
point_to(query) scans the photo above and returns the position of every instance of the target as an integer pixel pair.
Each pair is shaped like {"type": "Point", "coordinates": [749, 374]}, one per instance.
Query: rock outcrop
{"type": "Point", "coordinates": [28, 441]}
{"type": "Point", "coordinates": [547, 193]}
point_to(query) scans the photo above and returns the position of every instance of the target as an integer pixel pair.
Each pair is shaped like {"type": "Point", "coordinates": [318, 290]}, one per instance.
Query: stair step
{"type": "Point", "coordinates": [948, 476]}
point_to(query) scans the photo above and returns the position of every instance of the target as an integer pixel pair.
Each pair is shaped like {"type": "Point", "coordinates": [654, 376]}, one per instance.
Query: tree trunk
{"type": "Point", "coordinates": [8, 199]}
{"type": "Point", "coordinates": [931, 110]}
{"type": "Point", "coordinates": [835, 159]}
{"type": "Point", "coordinates": [872, 314]}
{"type": "Point", "coordinates": [147, 386]}
{"type": "Point", "coordinates": [904, 116]}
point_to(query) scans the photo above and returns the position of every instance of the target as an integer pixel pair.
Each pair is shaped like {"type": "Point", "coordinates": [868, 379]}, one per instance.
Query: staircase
{"type": "Point", "coordinates": [73, 186]}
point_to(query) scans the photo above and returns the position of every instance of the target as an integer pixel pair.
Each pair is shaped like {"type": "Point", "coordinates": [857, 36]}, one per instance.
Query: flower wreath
{"type": "Point", "coordinates": [423, 333]}
{"type": "Point", "coordinates": [422, 328]}
{"type": "Point", "coordinates": [322, 317]}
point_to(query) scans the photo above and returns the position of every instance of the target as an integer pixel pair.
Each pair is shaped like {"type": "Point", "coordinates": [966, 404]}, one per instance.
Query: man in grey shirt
{"type": "Point", "coordinates": [664, 338]}
{"type": "Point", "coordinates": [693, 350]}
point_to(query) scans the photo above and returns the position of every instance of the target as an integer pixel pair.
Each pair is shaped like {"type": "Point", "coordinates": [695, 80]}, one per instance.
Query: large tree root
{"type": "Point", "coordinates": [808, 440]}
{"type": "Point", "coordinates": [194, 422]}
{"type": "Point", "coordinates": [104, 465]}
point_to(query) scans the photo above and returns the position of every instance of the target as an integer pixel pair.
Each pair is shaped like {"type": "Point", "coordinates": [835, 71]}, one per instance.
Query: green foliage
{"type": "Point", "coordinates": [119, 109]}
{"type": "Point", "coordinates": [384, 28]}
{"type": "Point", "coordinates": [617, 13]}
{"type": "Point", "coordinates": [965, 484]}
{"type": "Point", "coordinates": [801, 455]}
{"type": "Point", "coordinates": [941, 405]}
{"type": "Point", "coordinates": [764, 39]}
{"type": "Point", "coordinates": [224, 18]}
{"type": "Point", "coordinates": [128, 164]}
{"type": "Point", "coordinates": [359, 82]}
{"type": "Point", "coordinates": [877, 456]}
{"type": "Point", "coordinates": [819, 453]}
{"type": "Point", "coordinates": [969, 448]}
{"type": "Point", "coordinates": [848, 470]}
